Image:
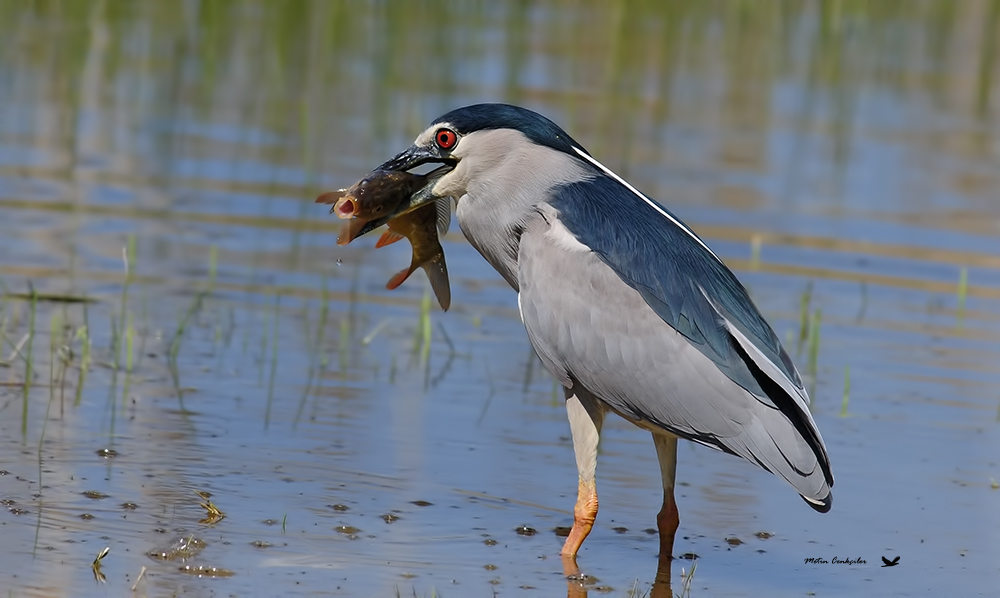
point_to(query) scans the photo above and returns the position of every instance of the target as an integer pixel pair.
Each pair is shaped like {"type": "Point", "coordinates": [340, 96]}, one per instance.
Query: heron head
{"type": "Point", "coordinates": [474, 143]}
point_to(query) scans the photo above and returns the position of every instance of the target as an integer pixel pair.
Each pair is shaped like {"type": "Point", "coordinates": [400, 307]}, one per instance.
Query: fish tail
{"type": "Point", "coordinates": [437, 273]}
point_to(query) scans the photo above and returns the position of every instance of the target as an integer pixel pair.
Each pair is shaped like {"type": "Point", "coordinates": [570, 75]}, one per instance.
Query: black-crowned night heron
{"type": "Point", "coordinates": [624, 304]}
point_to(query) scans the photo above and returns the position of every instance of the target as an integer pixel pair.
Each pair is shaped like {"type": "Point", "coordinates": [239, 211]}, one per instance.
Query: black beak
{"type": "Point", "coordinates": [416, 156]}
{"type": "Point", "coordinates": [410, 158]}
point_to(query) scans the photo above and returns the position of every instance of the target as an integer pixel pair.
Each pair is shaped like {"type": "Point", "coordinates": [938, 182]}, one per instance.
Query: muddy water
{"type": "Point", "coordinates": [842, 159]}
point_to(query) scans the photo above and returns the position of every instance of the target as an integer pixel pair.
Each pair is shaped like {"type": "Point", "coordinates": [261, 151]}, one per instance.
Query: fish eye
{"type": "Point", "coordinates": [445, 138]}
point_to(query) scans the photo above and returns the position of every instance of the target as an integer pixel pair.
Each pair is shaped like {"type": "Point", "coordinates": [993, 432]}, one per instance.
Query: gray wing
{"type": "Point", "coordinates": [590, 328]}
{"type": "Point", "coordinates": [678, 277]}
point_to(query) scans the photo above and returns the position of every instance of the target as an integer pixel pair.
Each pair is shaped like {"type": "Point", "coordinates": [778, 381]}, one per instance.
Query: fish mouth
{"type": "Point", "coordinates": [346, 207]}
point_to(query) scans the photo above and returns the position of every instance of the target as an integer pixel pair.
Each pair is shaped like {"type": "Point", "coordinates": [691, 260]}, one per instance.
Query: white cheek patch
{"type": "Point", "coordinates": [560, 235]}
{"type": "Point", "coordinates": [426, 139]}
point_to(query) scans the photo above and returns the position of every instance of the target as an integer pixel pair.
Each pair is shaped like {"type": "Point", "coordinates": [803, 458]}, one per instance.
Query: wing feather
{"type": "Point", "coordinates": [679, 360]}
{"type": "Point", "coordinates": [669, 266]}
{"type": "Point", "coordinates": [690, 289]}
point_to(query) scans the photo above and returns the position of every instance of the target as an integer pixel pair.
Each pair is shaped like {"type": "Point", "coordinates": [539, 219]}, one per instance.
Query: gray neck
{"type": "Point", "coordinates": [502, 189]}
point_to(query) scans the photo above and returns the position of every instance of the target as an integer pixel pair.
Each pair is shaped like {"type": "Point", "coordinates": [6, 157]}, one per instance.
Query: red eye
{"type": "Point", "coordinates": [445, 138]}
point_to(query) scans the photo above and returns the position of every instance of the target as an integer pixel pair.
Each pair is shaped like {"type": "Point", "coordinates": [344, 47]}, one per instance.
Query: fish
{"type": "Point", "coordinates": [394, 198]}
{"type": "Point", "coordinates": [420, 227]}
{"type": "Point", "coordinates": [374, 198]}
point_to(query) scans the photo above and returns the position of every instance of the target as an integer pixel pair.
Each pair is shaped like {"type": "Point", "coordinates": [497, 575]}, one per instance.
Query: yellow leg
{"type": "Point", "coordinates": [667, 522]}
{"type": "Point", "coordinates": [668, 519]}
{"type": "Point", "coordinates": [584, 514]}
{"type": "Point", "coordinates": [585, 420]}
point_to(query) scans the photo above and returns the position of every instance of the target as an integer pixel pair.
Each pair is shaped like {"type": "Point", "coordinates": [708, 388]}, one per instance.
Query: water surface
{"type": "Point", "coordinates": [842, 158]}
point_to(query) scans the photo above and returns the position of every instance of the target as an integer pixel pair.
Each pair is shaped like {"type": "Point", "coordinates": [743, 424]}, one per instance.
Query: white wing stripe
{"type": "Point", "coordinates": [767, 366]}
{"type": "Point", "coordinates": [611, 174]}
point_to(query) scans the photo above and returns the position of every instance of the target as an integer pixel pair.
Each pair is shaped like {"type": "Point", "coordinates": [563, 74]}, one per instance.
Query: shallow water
{"type": "Point", "coordinates": [841, 158]}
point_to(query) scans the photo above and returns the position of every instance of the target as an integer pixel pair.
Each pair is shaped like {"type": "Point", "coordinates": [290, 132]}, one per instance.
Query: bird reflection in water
{"type": "Point", "coordinates": [577, 585]}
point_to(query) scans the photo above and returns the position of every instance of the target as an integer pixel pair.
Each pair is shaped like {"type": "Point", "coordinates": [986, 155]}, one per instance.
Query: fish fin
{"type": "Point", "coordinates": [388, 238]}
{"type": "Point", "coordinates": [351, 230]}
{"type": "Point", "coordinates": [331, 197]}
{"type": "Point", "coordinates": [443, 206]}
{"type": "Point", "coordinates": [437, 273]}
{"type": "Point", "coordinates": [398, 278]}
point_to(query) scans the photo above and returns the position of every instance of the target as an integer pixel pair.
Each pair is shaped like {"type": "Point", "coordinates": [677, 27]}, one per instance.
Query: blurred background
{"type": "Point", "coordinates": [177, 318]}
